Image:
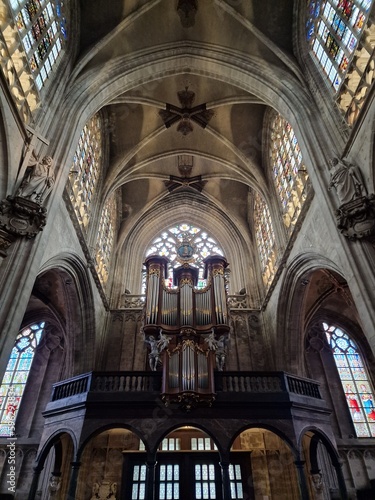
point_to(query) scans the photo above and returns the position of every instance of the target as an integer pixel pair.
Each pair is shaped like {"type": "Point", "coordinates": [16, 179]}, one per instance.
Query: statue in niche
{"type": "Point", "coordinates": [220, 347]}
{"type": "Point", "coordinates": [38, 180]}
{"type": "Point", "coordinates": [156, 347]}
{"type": "Point", "coordinates": [347, 180]}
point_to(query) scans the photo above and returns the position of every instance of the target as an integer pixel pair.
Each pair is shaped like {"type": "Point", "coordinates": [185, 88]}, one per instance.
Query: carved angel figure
{"type": "Point", "coordinates": [220, 347]}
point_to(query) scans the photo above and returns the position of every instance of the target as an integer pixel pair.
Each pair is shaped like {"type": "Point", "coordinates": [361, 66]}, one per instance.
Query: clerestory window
{"type": "Point", "coordinates": [342, 44]}
{"type": "Point", "coordinates": [265, 239]}
{"type": "Point", "coordinates": [85, 171]}
{"type": "Point", "coordinates": [289, 172]}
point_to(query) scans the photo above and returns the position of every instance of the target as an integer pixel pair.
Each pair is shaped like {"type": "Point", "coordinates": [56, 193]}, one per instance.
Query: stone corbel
{"type": "Point", "coordinates": [356, 219]}
{"type": "Point", "coordinates": [19, 217]}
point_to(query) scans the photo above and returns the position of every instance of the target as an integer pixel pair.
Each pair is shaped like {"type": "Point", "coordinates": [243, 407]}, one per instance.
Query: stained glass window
{"type": "Point", "coordinates": [334, 29]}
{"type": "Point", "coordinates": [289, 172]}
{"type": "Point", "coordinates": [167, 243]}
{"type": "Point", "coordinates": [354, 379]}
{"type": "Point", "coordinates": [106, 238]}
{"type": "Point", "coordinates": [15, 377]}
{"type": "Point", "coordinates": [265, 238]}
{"type": "Point", "coordinates": [85, 171]}
{"type": "Point", "coordinates": [41, 29]}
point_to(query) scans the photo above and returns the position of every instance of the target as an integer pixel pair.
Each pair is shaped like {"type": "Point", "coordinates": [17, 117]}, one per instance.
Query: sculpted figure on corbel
{"type": "Point", "coordinates": [23, 214]}
{"type": "Point", "coordinates": [38, 180]}
{"type": "Point", "coordinates": [356, 213]}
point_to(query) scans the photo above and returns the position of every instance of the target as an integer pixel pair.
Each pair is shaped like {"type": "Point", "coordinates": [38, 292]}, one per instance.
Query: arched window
{"type": "Point", "coordinates": [265, 239]}
{"type": "Point", "coordinates": [289, 172]}
{"type": "Point", "coordinates": [106, 238]}
{"type": "Point", "coordinates": [354, 379]}
{"type": "Point", "coordinates": [334, 30]}
{"type": "Point", "coordinates": [16, 374]}
{"type": "Point", "coordinates": [169, 240]}
{"type": "Point", "coordinates": [85, 171]}
{"type": "Point", "coordinates": [34, 34]}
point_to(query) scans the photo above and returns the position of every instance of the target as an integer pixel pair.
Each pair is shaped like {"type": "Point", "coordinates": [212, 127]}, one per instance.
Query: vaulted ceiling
{"type": "Point", "coordinates": [172, 80]}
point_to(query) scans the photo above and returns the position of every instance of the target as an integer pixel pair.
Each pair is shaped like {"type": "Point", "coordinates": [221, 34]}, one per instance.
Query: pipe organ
{"type": "Point", "coordinates": [187, 327]}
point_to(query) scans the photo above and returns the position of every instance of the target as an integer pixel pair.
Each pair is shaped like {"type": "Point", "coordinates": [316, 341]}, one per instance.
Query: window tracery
{"type": "Point", "coordinates": [265, 239]}
{"type": "Point", "coordinates": [106, 239]}
{"type": "Point", "coordinates": [167, 242]}
{"type": "Point", "coordinates": [85, 171]}
{"type": "Point", "coordinates": [289, 172]}
{"type": "Point", "coordinates": [33, 35]}
{"type": "Point", "coordinates": [342, 42]}
{"type": "Point", "coordinates": [354, 378]}
{"type": "Point", "coordinates": [16, 375]}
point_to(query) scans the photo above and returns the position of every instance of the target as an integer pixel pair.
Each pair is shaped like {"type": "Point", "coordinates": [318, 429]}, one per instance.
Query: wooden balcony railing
{"type": "Point", "coordinates": [150, 382]}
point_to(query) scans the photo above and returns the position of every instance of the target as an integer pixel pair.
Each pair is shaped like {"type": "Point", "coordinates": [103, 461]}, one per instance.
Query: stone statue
{"type": "Point", "coordinates": [54, 485]}
{"type": "Point", "coordinates": [347, 180]}
{"type": "Point", "coordinates": [220, 347]}
{"type": "Point", "coordinates": [38, 180]}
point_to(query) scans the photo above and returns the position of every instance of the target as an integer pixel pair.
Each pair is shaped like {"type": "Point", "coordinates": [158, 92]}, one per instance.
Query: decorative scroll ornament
{"type": "Point", "coordinates": [184, 115]}
{"type": "Point", "coordinates": [356, 219]}
{"type": "Point", "coordinates": [19, 217]}
{"type": "Point", "coordinates": [356, 213]}
{"type": "Point", "coordinates": [185, 251]}
{"type": "Point", "coordinates": [104, 490]}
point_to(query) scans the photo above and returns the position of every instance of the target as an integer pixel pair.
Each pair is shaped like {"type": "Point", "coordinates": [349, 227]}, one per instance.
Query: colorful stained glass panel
{"type": "Point", "coordinates": [356, 385]}
{"type": "Point", "coordinates": [16, 375]}
{"type": "Point", "coordinates": [167, 242]}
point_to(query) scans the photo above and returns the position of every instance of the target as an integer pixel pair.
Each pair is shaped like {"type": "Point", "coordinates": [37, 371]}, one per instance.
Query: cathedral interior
{"type": "Point", "coordinates": [187, 249]}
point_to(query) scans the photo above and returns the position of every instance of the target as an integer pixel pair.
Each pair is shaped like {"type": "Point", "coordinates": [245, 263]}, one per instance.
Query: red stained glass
{"type": "Point", "coordinates": [354, 379]}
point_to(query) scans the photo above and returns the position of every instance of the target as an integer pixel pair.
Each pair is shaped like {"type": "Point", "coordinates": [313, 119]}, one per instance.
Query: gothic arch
{"type": "Point", "coordinates": [65, 279]}
{"type": "Point", "coordinates": [291, 314]}
{"type": "Point", "coordinates": [209, 63]}
{"type": "Point", "coordinates": [184, 208]}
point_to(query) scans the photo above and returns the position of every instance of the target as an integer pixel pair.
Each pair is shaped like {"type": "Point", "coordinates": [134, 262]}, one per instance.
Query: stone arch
{"type": "Point", "coordinates": [64, 280]}
{"type": "Point", "coordinates": [96, 88]}
{"type": "Point", "coordinates": [291, 321]}
{"type": "Point", "coordinates": [323, 462]}
{"type": "Point", "coordinates": [181, 208]}
{"type": "Point", "coordinates": [101, 453]}
{"type": "Point", "coordinates": [273, 460]}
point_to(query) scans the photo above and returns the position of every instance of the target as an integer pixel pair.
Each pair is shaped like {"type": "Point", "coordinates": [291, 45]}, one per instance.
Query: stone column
{"type": "Point", "coordinates": [34, 483]}
{"type": "Point", "coordinates": [302, 480]}
{"type": "Point", "coordinates": [340, 479]}
{"type": "Point", "coordinates": [150, 478]}
{"type": "Point", "coordinates": [225, 479]}
{"type": "Point", "coordinates": [73, 481]}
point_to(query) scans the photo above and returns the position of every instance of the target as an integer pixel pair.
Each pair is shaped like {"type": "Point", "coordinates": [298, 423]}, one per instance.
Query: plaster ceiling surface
{"type": "Point", "coordinates": [228, 153]}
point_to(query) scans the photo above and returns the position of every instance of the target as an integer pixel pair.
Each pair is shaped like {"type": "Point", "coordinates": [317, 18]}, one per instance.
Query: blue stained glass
{"type": "Point", "coordinates": [359, 395]}
{"type": "Point", "coordinates": [17, 373]}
